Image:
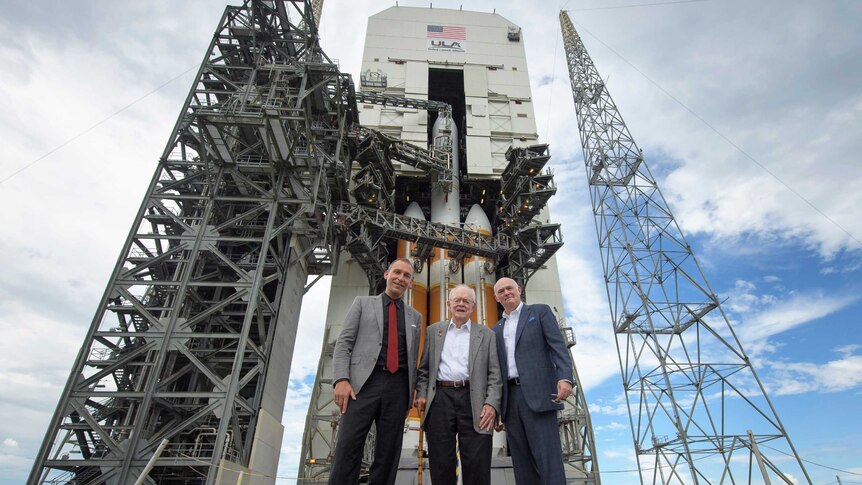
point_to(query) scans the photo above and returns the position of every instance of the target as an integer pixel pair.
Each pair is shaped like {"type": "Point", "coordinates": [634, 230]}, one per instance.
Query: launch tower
{"type": "Point", "coordinates": [698, 412]}
{"type": "Point", "coordinates": [269, 178]}
{"type": "Point", "coordinates": [454, 82]}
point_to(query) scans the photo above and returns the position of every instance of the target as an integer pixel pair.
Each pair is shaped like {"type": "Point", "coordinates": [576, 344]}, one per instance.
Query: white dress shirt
{"type": "Point", "coordinates": [454, 359]}
{"type": "Point", "coordinates": [510, 331]}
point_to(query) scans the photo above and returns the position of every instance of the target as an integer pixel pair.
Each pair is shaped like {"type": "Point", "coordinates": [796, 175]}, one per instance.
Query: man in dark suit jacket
{"type": "Point", "coordinates": [459, 379]}
{"type": "Point", "coordinates": [374, 374]}
{"type": "Point", "coordinates": [537, 369]}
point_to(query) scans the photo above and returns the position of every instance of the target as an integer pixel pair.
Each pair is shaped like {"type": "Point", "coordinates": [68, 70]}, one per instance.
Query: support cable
{"type": "Point", "coordinates": [815, 463]}
{"type": "Point", "coordinates": [635, 5]}
{"type": "Point", "coordinates": [723, 136]}
{"type": "Point", "coordinates": [97, 124]}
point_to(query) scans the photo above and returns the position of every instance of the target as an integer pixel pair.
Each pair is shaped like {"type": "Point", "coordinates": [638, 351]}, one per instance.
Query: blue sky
{"type": "Point", "coordinates": [704, 86]}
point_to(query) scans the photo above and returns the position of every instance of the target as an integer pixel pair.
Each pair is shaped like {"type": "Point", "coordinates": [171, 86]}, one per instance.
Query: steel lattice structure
{"type": "Point", "coordinates": [698, 411]}
{"type": "Point", "coordinates": [205, 297]}
{"type": "Point", "coordinates": [188, 356]}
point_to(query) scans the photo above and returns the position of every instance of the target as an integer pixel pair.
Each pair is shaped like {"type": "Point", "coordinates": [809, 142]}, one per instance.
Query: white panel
{"type": "Point", "coordinates": [417, 79]}
{"type": "Point", "coordinates": [479, 155]}
{"type": "Point", "coordinates": [266, 448]}
{"type": "Point", "coordinates": [230, 473]}
{"type": "Point", "coordinates": [369, 116]}
{"type": "Point", "coordinates": [498, 108]}
{"type": "Point", "coordinates": [475, 81]}
{"type": "Point", "coordinates": [523, 125]}
{"type": "Point", "coordinates": [498, 152]}
{"type": "Point", "coordinates": [390, 117]}
{"type": "Point", "coordinates": [477, 116]}
{"type": "Point", "coordinates": [502, 124]}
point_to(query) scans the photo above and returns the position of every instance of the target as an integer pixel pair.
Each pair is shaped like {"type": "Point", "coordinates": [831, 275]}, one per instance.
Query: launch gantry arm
{"type": "Point", "coordinates": [369, 97]}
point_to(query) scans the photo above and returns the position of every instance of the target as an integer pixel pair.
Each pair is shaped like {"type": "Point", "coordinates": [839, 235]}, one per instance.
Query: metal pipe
{"type": "Point", "coordinates": [152, 462]}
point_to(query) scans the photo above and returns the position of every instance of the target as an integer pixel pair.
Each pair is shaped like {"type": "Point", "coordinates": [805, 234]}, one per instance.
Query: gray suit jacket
{"type": "Point", "coordinates": [541, 355]}
{"type": "Point", "coordinates": [358, 346]}
{"type": "Point", "coordinates": [486, 382]}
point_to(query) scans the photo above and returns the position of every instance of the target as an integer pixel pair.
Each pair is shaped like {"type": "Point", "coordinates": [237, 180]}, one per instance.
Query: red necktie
{"type": "Point", "coordinates": [392, 341]}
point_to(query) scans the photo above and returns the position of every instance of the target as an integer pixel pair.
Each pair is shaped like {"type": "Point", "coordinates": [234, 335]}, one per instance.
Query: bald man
{"type": "Point", "coordinates": [537, 376]}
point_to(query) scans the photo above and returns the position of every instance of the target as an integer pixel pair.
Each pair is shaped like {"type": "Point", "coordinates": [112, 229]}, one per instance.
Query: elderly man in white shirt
{"type": "Point", "coordinates": [460, 383]}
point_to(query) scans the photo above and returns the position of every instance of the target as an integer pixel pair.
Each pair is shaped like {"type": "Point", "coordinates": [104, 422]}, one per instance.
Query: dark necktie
{"type": "Point", "coordinates": [392, 341]}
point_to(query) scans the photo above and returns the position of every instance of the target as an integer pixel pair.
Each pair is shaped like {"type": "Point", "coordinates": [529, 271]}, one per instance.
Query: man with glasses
{"type": "Point", "coordinates": [460, 384]}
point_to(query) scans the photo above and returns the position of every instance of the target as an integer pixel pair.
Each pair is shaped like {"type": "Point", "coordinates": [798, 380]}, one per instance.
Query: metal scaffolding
{"type": "Point", "coordinates": [193, 338]}
{"type": "Point", "coordinates": [697, 408]}
{"type": "Point", "coordinates": [209, 281]}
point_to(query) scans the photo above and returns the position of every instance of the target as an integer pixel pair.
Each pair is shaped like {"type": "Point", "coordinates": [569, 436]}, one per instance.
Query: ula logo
{"type": "Point", "coordinates": [442, 44]}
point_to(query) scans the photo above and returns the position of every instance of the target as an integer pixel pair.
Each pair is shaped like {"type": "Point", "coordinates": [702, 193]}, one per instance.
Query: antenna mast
{"type": "Point", "coordinates": [698, 412]}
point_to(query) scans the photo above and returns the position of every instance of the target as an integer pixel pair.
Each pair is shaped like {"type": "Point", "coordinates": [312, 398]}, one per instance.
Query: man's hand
{"type": "Point", "coordinates": [564, 390]}
{"type": "Point", "coordinates": [419, 404]}
{"type": "Point", "coordinates": [488, 417]}
{"type": "Point", "coordinates": [343, 394]}
{"type": "Point", "coordinates": [499, 426]}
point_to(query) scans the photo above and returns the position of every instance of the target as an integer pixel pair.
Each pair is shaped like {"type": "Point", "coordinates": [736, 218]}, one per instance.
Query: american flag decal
{"type": "Point", "coordinates": [447, 32]}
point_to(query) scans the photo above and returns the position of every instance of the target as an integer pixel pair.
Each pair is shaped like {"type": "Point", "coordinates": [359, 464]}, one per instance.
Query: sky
{"type": "Point", "coordinates": [748, 113]}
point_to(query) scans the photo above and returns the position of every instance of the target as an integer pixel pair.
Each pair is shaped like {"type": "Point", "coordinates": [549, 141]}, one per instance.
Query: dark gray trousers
{"type": "Point", "coordinates": [382, 401]}
{"type": "Point", "coordinates": [534, 442]}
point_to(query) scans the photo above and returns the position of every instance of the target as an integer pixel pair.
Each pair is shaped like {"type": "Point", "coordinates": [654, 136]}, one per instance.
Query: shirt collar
{"type": "Point", "coordinates": [466, 325]}
{"type": "Point", "coordinates": [387, 299]}
{"type": "Point", "coordinates": [516, 310]}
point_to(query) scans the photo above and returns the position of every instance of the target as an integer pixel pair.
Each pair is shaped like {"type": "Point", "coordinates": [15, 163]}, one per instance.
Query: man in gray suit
{"type": "Point", "coordinates": [537, 369]}
{"type": "Point", "coordinates": [460, 382]}
{"type": "Point", "coordinates": [374, 374]}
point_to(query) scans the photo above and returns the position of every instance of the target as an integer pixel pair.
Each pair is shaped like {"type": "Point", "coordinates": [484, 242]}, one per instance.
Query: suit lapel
{"type": "Point", "coordinates": [522, 322]}
{"type": "Point", "coordinates": [501, 344]}
{"type": "Point", "coordinates": [439, 338]}
{"type": "Point", "coordinates": [378, 312]}
{"type": "Point", "coordinates": [475, 345]}
{"type": "Point", "coordinates": [408, 329]}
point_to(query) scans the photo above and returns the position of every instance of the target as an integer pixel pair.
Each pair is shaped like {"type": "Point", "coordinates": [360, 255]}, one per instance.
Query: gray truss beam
{"type": "Point", "coordinates": [235, 217]}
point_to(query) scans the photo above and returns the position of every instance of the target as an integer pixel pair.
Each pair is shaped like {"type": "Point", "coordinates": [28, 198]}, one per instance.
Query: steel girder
{"type": "Point", "coordinates": [238, 212]}
{"type": "Point", "coordinates": [691, 391]}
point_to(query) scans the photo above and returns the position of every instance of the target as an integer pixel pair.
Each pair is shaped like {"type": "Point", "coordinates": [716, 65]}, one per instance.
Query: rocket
{"type": "Point", "coordinates": [445, 209]}
{"type": "Point", "coordinates": [431, 285]}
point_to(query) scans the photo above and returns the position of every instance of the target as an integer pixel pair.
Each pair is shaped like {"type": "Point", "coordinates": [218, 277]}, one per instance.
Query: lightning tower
{"type": "Point", "coordinates": [698, 412]}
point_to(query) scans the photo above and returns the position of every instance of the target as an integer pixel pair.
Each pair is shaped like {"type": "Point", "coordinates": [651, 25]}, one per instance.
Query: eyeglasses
{"type": "Point", "coordinates": [465, 301]}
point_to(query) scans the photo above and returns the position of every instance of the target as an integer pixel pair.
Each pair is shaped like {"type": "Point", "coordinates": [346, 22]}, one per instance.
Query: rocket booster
{"type": "Point", "coordinates": [475, 274]}
{"type": "Point", "coordinates": [417, 297]}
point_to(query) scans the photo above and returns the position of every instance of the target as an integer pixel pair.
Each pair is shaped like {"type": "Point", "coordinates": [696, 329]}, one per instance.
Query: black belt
{"type": "Point", "coordinates": [464, 383]}
{"type": "Point", "coordinates": [515, 381]}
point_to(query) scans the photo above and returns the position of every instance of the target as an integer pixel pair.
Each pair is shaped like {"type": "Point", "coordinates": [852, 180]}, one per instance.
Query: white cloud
{"type": "Point", "coordinates": [803, 377]}
{"type": "Point", "coordinates": [66, 217]}
{"type": "Point", "coordinates": [794, 311]}
{"type": "Point", "coordinates": [10, 443]}
{"type": "Point", "coordinates": [617, 407]}
{"type": "Point", "coordinates": [612, 426]}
